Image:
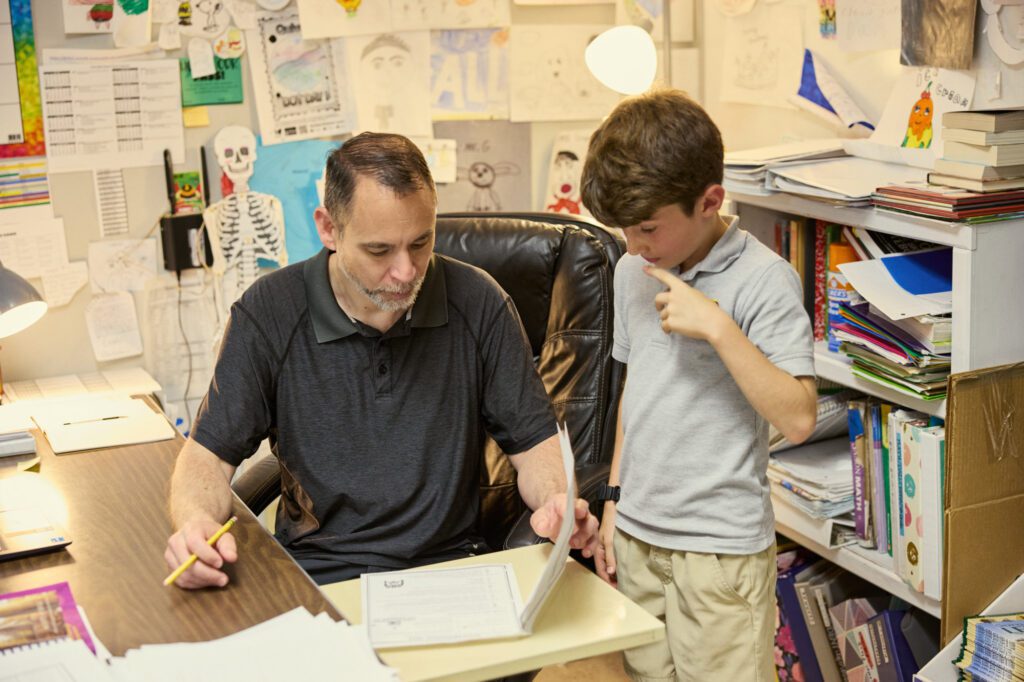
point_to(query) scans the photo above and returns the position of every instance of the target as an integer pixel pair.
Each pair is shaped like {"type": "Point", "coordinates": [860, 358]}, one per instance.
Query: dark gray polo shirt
{"type": "Point", "coordinates": [379, 436]}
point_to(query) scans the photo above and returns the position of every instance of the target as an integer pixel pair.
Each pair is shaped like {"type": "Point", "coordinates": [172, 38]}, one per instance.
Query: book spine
{"type": "Point", "coordinates": [790, 605]}
{"type": "Point", "coordinates": [878, 474]}
{"type": "Point", "coordinates": [830, 632]}
{"type": "Point", "coordinates": [820, 301]}
{"type": "Point", "coordinates": [816, 632]}
{"type": "Point", "coordinates": [913, 522]}
{"type": "Point", "coordinates": [883, 655]}
{"type": "Point", "coordinates": [886, 410]}
{"type": "Point", "coordinates": [856, 427]}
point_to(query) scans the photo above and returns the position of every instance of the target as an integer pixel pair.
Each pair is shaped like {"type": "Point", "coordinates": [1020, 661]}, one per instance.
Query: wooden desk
{"type": "Point", "coordinates": [116, 514]}
{"type": "Point", "coordinates": [584, 616]}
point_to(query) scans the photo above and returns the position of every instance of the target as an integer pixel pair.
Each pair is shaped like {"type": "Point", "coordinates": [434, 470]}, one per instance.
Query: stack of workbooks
{"type": "Point", "coordinates": [889, 352]}
{"type": "Point", "coordinates": [746, 171]}
{"type": "Point", "coordinates": [992, 648]}
{"type": "Point", "coordinates": [948, 203]}
{"type": "Point", "coordinates": [983, 151]}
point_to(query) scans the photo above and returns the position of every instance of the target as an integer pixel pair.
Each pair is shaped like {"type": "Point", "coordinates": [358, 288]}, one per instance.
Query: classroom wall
{"type": "Point", "coordinates": [59, 344]}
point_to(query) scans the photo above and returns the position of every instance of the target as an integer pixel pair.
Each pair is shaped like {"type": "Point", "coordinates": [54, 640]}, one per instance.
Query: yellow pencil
{"type": "Point", "coordinates": [192, 559]}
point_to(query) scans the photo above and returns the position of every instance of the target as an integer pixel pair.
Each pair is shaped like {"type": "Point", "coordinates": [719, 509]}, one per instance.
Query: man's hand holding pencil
{"type": "Point", "coordinates": [198, 551]}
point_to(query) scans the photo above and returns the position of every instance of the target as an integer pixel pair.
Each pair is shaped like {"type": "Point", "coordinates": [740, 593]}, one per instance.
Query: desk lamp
{"type": "Point", "coordinates": [20, 305]}
{"type": "Point", "coordinates": [623, 58]}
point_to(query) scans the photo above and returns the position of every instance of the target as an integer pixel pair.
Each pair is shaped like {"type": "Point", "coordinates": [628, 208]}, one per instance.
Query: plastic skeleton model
{"type": "Point", "coordinates": [243, 226]}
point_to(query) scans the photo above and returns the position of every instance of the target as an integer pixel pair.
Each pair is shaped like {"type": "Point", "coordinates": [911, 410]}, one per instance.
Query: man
{"type": "Point", "coordinates": [375, 368]}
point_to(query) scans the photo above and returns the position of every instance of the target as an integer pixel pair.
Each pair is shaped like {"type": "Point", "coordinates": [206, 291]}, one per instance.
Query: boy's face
{"type": "Point", "coordinates": [668, 238]}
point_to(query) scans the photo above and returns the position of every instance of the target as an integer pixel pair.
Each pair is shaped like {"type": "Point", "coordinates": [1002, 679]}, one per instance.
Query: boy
{"type": "Point", "coordinates": [717, 344]}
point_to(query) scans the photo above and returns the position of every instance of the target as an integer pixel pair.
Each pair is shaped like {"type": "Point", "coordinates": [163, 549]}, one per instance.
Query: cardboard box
{"type": "Point", "coordinates": [984, 497]}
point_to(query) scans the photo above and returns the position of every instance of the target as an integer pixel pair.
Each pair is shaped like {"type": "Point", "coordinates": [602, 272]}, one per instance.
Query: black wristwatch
{"type": "Point", "coordinates": [608, 492]}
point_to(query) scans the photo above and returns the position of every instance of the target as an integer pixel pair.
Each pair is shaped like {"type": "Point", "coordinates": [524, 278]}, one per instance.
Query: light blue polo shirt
{"type": "Point", "coordinates": [695, 455]}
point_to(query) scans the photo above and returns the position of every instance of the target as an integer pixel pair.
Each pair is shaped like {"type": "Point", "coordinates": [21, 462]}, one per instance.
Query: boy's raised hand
{"type": "Point", "coordinates": [683, 309]}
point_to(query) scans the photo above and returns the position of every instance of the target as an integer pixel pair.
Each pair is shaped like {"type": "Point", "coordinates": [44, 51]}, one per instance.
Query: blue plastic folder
{"type": "Point", "coordinates": [922, 272]}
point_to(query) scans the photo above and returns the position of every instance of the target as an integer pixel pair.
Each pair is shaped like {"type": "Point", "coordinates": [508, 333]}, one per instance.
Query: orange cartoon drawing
{"type": "Point", "coordinates": [351, 6]}
{"type": "Point", "coordinates": [919, 126]}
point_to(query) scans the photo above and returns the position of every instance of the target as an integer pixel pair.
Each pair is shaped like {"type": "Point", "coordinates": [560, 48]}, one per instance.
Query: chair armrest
{"type": "Point", "coordinates": [589, 478]}
{"type": "Point", "coordinates": [259, 484]}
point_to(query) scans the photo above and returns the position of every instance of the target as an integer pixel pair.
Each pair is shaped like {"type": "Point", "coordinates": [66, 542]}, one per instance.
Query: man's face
{"type": "Point", "coordinates": [385, 247]}
{"type": "Point", "coordinates": [668, 238]}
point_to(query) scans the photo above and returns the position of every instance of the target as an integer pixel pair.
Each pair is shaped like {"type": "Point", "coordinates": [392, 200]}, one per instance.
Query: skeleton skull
{"type": "Point", "coordinates": [236, 154]}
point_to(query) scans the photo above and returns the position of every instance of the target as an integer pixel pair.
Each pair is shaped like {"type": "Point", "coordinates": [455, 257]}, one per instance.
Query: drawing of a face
{"type": "Point", "coordinates": [350, 6]}
{"type": "Point", "coordinates": [236, 154]}
{"type": "Point", "coordinates": [921, 114]}
{"type": "Point", "coordinates": [482, 174]}
{"type": "Point", "coordinates": [385, 64]}
{"type": "Point", "coordinates": [566, 173]}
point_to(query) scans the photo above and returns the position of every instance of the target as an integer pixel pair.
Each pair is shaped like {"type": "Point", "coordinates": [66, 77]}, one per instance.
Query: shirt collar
{"type": "Point", "coordinates": [727, 249]}
{"type": "Point", "coordinates": [331, 323]}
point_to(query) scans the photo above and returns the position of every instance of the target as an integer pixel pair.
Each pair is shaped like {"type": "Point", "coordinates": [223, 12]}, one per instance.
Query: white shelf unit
{"type": "Point", "coordinates": [988, 330]}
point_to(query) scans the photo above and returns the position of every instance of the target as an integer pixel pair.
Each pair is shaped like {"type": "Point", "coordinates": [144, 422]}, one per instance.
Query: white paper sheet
{"type": "Point", "coordinates": [764, 53]}
{"type": "Point", "coordinates": [893, 140]}
{"type": "Point", "coordinates": [850, 177]}
{"type": "Point", "coordinates": [390, 76]}
{"type": "Point", "coordinates": [53, 56]}
{"type": "Point", "coordinates": [112, 116]}
{"type": "Point", "coordinates": [436, 606]}
{"type": "Point", "coordinates": [82, 16]}
{"type": "Point", "coordinates": [121, 264]}
{"type": "Point", "coordinates": [301, 87]}
{"type": "Point", "coordinates": [329, 19]}
{"type": "Point", "coordinates": [469, 74]}
{"type": "Point", "coordinates": [34, 248]}
{"type": "Point", "coordinates": [412, 15]}
{"type": "Point", "coordinates": [867, 24]}
{"type": "Point", "coordinates": [113, 327]}
{"type": "Point", "coordinates": [548, 79]}
{"type": "Point", "coordinates": [200, 58]}
{"type": "Point", "coordinates": [493, 167]}
{"type": "Point", "coordinates": [131, 28]}
{"type": "Point", "coordinates": [61, 285]}
{"type": "Point", "coordinates": [872, 280]}
{"type": "Point", "coordinates": [243, 12]}
{"type": "Point", "coordinates": [111, 202]}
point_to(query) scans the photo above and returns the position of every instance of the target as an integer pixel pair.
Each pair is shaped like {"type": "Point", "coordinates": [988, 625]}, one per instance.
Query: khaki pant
{"type": "Point", "coordinates": [718, 610]}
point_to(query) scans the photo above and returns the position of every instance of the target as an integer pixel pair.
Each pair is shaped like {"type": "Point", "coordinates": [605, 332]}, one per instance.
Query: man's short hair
{"type": "Point", "coordinates": [390, 160]}
{"type": "Point", "coordinates": [654, 150]}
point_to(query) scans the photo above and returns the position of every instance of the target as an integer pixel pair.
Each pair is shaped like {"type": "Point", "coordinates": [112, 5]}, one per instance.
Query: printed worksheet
{"type": "Point", "coordinates": [111, 115]}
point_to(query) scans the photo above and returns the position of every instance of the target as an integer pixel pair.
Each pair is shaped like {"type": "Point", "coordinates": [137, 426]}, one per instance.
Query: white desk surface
{"type": "Point", "coordinates": [583, 617]}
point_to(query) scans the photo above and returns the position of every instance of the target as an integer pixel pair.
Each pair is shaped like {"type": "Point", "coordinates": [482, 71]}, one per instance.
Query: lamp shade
{"type": "Point", "coordinates": [623, 58]}
{"type": "Point", "coordinates": [20, 304]}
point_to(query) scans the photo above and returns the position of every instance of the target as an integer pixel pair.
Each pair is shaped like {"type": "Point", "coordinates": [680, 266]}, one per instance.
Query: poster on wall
{"type": "Point", "coordinates": [21, 111]}
{"type": "Point", "coordinates": [390, 74]}
{"type": "Point", "coordinates": [763, 58]}
{"type": "Point", "coordinates": [548, 80]}
{"type": "Point", "coordinates": [469, 74]}
{"type": "Point", "coordinates": [300, 86]}
{"type": "Point", "coordinates": [493, 166]}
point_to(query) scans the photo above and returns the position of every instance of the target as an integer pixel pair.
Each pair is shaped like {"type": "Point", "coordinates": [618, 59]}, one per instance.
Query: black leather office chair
{"type": "Point", "coordinates": [558, 271]}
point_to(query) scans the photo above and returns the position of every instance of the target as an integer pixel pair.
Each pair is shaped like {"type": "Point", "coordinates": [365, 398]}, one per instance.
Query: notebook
{"type": "Point", "coordinates": [27, 530]}
{"type": "Point", "coordinates": [89, 423]}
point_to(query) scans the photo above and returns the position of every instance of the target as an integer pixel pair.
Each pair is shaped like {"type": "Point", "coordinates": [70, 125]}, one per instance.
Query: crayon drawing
{"type": "Point", "coordinates": [469, 74]}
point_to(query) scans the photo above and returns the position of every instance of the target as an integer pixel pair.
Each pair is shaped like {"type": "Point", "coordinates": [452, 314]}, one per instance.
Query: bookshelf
{"type": "Point", "coordinates": [987, 327]}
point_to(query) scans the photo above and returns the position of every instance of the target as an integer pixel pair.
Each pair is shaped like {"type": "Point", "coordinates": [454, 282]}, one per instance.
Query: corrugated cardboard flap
{"type": "Point", "coordinates": [984, 519]}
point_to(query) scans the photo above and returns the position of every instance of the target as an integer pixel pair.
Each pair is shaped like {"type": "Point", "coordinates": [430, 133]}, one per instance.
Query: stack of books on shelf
{"type": "Point", "coordinates": [983, 151]}
{"type": "Point", "coordinates": [815, 478]}
{"type": "Point", "coordinates": [889, 352]}
{"type": "Point", "coordinates": [992, 648]}
{"type": "Point", "coordinates": [949, 203]}
{"type": "Point", "coordinates": [898, 462]}
{"type": "Point", "coordinates": [834, 626]}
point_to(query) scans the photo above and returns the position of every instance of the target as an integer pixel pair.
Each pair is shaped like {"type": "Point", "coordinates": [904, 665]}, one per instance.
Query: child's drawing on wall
{"type": "Point", "coordinates": [919, 125]}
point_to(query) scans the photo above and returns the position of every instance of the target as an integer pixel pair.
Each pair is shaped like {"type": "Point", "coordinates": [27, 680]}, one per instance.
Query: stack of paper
{"type": "Point", "coordinates": [847, 182]}
{"type": "Point", "coordinates": [746, 172]}
{"type": "Point", "coordinates": [815, 478]}
{"type": "Point", "coordinates": [292, 646]}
